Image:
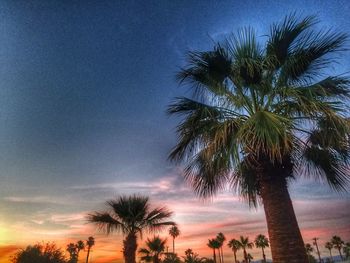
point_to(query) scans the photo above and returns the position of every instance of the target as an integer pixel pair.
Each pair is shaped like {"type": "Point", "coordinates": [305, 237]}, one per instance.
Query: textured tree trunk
{"type": "Point", "coordinates": [88, 254]}
{"type": "Point", "coordinates": [264, 257]}
{"type": "Point", "coordinates": [287, 244]}
{"type": "Point", "coordinates": [130, 247]}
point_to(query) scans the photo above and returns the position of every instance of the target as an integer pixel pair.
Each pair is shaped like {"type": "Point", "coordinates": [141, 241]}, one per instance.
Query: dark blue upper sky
{"type": "Point", "coordinates": [84, 84]}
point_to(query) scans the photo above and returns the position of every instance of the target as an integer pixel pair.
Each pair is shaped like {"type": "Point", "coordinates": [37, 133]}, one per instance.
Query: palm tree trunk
{"type": "Point", "coordinates": [330, 253]}
{"type": "Point", "coordinates": [234, 253]}
{"type": "Point", "coordinates": [341, 256]}
{"type": "Point", "coordinates": [130, 247]}
{"type": "Point", "coordinates": [173, 245]}
{"type": "Point", "coordinates": [222, 255]}
{"type": "Point", "coordinates": [87, 255]}
{"type": "Point", "coordinates": [287, 244]}
{"type": "Point", "coordinates": [245, 256]}
{"type": "Point", "coordinates": [214, 255]}
{"type": "Point", "coordinates": [264, 257]}
{"type": "Point", "coordinates": [219, 252]}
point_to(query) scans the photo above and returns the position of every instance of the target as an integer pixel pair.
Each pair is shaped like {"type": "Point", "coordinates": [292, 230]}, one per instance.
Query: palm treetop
{"type": "Point", "coordinates": [257, 105]}
{"type": "Point", "coordinates": [174, 231]}
{"type": "Point", "coordinates": [261, 241]}
{"type": "Point", "coordinates": [131, 214]}
{"type": "Point", "coordinates": [234, 244]}
{"type": "Point", "coordinates": [245, 243]}
{"type": "Point", "coordinates": [337, 242]}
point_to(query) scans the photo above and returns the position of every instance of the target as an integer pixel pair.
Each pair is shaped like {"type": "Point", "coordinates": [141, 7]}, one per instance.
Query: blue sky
{"type": "Point", "coordinates": [83, 90]}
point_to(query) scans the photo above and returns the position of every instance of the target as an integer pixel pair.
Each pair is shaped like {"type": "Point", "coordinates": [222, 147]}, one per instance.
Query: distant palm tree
{"type": "Point", "coordinates": [346, 250]}
{"type": "Point", "coordinates": [245, 244]}
{"type": "Point", "coordinates": [174, 232]}
{"type": "Point", "coordinates": [262, 242]}
{"type": "Point", "coordinates": [309, 249]}
{"type": "Point", "coordinates": [131, 215]}
{"type": "Point", "coordinates": [249, 257]}
{"type": "Point", "coordinates": [221, 238]}
{"type": "Point", "coordinates": [338, 243]}
{"type": "Point", "coordinates": [154, 249]}
{"type": "Point", "coordinates": [235, 246]}
{"type": "Point", "coordinates": [262, 114]}
{"type": "Point", "coordinates": [213, 244]}
{"type": "Point", "coordinates": [89, 244]}
{"type": "Point", "coordinates": [72, 250]}
{"type": "Point", "coordinates": [80, 246]}
{"type": "Point", "coordinates": [329, 246]}
{"type": "Point", "coordinates": [191, 257]}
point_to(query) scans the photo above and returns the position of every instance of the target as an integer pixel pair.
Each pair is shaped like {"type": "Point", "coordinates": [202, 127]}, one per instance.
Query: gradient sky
{"type": "Point", "coordinates": [83, 90]}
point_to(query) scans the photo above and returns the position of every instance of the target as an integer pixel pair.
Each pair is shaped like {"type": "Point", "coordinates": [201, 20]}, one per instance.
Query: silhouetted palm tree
{"type": "Point", "coordinates": [131, 215]}
{"type": "Point", "coordinates": [174, 232]}
{"type": "Point", "coordinates": [338, 243]}
{"type": "Point", "coordinates": [346, 250]}
{"type": "Point", "coordinates": [329, 246]}
{"type": "Point", "coordinates": [261, 115]}
{"type": "Point", "coordinates": [309, 249]}
{"type": "Point", "coordinates": [221, 238]}
{"type": "Point", "coordinates": [72, 250]}
{"type": "Point", "coordinates": [213, 244]}
{"type": "Point", "coordinates": [80, 246]}
{"type": "Point", "coordinates": [245, 244]}
{"type": "Point", "coordinates": [89, 244]}
{"type": "Point", "coordinates": [154, 249]}
{"type": "Point", "coordinates": [235, 246]}
{"type": "Point", "coordinates": [249, 257]}
{"type": "Point", "coordinates": [262, 242]}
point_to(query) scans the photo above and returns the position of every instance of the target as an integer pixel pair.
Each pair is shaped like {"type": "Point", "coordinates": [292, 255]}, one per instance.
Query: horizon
{"type": "Point", "coordinates": [85, 86]}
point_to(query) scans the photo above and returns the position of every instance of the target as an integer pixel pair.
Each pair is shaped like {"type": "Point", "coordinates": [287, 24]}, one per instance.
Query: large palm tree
{"type": "Point", "coordinates": [174, 232]}
{"type": "Point", "coordinates": [338, 243]}
{"type": "Point", "coordinates": [245, 244]}
{"type": "Point", "coordinates": [262, 242]}
{"type": "Point", "coordinates": [261, 116]}
{"type": "Point", "coordinates": [329, 246]}
{"type": "Point", "coordinates": [131, 215]}
{"type": "Point", "coordinates": [154, 249]}
{"type": "Point", "coordinates": [221, 238]}
{"type": "Point", "coordinates": [89, 244]}
{"type": "Point", "coordinates": [213, 244]}
{"type": "Point", "coordinates": [235, 246]}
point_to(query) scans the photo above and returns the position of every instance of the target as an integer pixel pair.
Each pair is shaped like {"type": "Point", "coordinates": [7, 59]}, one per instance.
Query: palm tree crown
{"type": "Point", "coordinates": [261, 242]}
{"type": "Point", "coordinates": [154, 248]}
{"type": "Point", "coordinates": [235, 246]}
{"type": "Point", "coordinates": [131, 215]}
{"type": "Point", "coordinates": [174, 232]}
{"type": "Point", "coordinates": [262, 115]}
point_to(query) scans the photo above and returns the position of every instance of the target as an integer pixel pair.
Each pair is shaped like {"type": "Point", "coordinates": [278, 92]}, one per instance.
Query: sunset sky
{"type": "Point", "coordinates": [84, 86]}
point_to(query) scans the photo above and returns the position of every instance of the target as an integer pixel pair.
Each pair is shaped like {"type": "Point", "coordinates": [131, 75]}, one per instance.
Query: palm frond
{"type": "Point", "coordinates": [106, 222]}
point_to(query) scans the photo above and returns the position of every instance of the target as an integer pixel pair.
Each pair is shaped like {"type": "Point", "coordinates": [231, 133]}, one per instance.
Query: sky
{"type": "Point", "coordinates": [84, 86]}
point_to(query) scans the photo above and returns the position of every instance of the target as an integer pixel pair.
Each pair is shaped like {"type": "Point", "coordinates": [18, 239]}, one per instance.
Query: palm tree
{"type": "Point", "coordinates": [309, 249]}
{"type": "Point", "coordinates": [153, 251]}
{"type": "Point", "coordinates": [191, 257]}
{"type": "Point", "coordinates": [131, 215]}
{"type": "Point", "coordinates": [338, 243]}
{"type": "Point", "coordinates": [72, 250]}
{"type": "Point", "coordinates": [79, 246]}
{"type": "Point", "coordinates": [329, 246]}
{"type": "Point", "coordinates": [213, 244]}
{"type": "Point", "coordinates": [346, 250]}
{"type": "Point", "coordinates": [235, 246]}
{"type": "Point", "coordinates": [244, 243]}
{"type": "Point", "coordinates": [262, 116]}
{"type": "Point", "coordinates": [89, 244]}
{"type": "Point", "coordinates": [174, 232]}
{"type": "Point", "coordinates": [221, 238]}
{"type": "Point", "coordinates": [249, 257]}
{"type": "Point", "coordinates": [262, 242]}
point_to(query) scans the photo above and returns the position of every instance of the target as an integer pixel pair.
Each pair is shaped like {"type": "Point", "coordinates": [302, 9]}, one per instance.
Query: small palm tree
{"type": "Point", "coordinates": [213, 244]}
{"type": "Point", "coordinates": [249, 257]}
{"type": "Point", "coordinates": [309, 249]}
{"type": "Point", "coordinates": [154, 249]}
{"type": "Point", "coordinates": [261, 114]}
{"type": "Point", "coordinates": [346, 250]}
{"type": "Point", "coordinates": [80, 246]}
{"type": "Point", "coordinates": [329, 246]}
{"type": "Point", "coordinates": [89, 244]}
{"type": "Point", "coordinates": [174, 232]}
{"type": "Point", "coordinates": [72, 250]}
{"type": "Point", "coordinates": [191, 257]}
{"type": "Point", "coordinates": [338, 243]}
{"type": "Point", "coordinates": [235, 246]}
{"type": "Point", "coordinates": [245, 244]}
{"type": "Point", "coordinates": [262, 242]}
{"type": "Point", "coordinates": [221, 238]}
{"type": "Point", "coordinates": [131, 215]}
